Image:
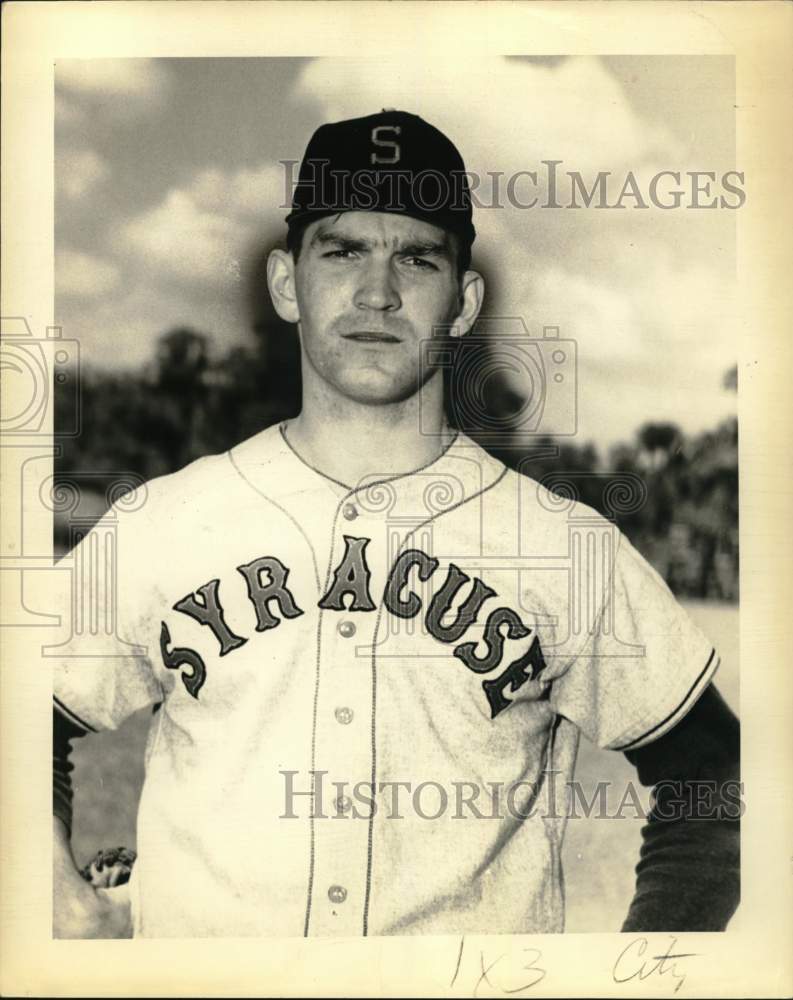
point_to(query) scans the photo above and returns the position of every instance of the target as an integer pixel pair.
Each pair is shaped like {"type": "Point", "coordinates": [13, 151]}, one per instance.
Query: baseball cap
{"type": "Point", "coordinates": [392, 161]}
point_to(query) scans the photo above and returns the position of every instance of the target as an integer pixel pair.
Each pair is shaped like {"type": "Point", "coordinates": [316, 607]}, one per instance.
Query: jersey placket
{"type": "Point", "coordinates": [343, 737]}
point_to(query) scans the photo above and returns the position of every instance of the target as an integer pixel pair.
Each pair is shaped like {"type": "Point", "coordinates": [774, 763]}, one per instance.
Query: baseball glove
{"type": "Point", "coordinates": [109, 868]}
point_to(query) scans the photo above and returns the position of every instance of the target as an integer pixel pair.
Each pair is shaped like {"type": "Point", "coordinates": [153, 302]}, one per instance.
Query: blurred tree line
{"type": "Point", "coordinates": [187, 403]}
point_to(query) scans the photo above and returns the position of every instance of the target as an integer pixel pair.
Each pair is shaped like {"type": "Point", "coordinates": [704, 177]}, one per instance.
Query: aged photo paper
{"type": "Point", "coordinates": [396, 499]}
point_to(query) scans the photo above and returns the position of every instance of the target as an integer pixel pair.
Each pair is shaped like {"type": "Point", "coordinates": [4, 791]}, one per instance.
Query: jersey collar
{"type": "Point", "coordinates": [271, 466]}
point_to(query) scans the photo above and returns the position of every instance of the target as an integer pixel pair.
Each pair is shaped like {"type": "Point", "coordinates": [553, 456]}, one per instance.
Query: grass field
{"type": "Point", "coordinates": [599, 854]}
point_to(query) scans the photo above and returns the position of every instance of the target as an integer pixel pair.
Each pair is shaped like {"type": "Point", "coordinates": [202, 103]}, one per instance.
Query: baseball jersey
{"type": "Point", "coordinates": [370, 697]}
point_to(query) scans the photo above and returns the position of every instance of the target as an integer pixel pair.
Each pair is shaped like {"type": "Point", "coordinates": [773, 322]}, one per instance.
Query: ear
{"type": "Point", "coordinates": [471, 298]}
{"type": "Point", "coordinates": [281, 283]}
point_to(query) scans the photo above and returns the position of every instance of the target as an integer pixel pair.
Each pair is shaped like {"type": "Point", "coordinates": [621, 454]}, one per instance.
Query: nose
{"type": "Point", "coordinates": [377, 289]}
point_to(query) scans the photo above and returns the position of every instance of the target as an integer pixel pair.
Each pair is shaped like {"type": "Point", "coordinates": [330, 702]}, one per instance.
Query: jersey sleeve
{"type": "Point", "coordinates": [643, 666]}
{"type": "Point", "coordinates": [102, 672]}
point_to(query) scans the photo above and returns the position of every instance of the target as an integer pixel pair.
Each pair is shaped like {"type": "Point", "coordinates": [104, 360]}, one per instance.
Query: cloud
{"type": "Point", "coordinates": [109, 88]}
{"type": "Point", "coordinates": [202, 233]}
{"type": "Point", "coordinates": [504, 113]}
{"type": "Point", "coordinates": [83, 275]}
{"type": "Point", "coordinates": [67, 113]}
{"type": "Point", "coordinates": [245, 194]}
{"type": "Point", "coordinates": [191, 244]}
{"type": "Point", "coordinates": [139, 79]}
{"type": "Point", "coordinates": [120, 330]}
{"type": "Point", "coordinates": [78, 171]}
{"type": "Point", "coordinates": [653, 337]}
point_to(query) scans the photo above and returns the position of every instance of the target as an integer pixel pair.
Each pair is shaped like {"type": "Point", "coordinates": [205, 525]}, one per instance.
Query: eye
{"type": "Point", "coordinates": [420, 263]}
{"type": "Point", "coordinates": [339, 254]}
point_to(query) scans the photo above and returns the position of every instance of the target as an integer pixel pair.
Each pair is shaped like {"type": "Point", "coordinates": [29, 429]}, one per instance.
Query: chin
{"type": "Point", "coordinates": [377, 389]}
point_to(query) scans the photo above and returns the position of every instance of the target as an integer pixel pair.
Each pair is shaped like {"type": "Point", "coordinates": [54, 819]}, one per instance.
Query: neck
{"type": "Point", "coordinates": [350, 441]}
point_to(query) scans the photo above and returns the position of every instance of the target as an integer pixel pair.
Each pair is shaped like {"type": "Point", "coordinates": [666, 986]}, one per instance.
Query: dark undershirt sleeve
{"type": "Point", "coordinates": [63, 731]}
{"type": "Point", "coordinates": [688, 875]}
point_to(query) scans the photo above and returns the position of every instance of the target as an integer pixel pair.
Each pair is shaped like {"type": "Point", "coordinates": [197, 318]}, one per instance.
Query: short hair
{"type": "Point", "coordinates": [294, 244]}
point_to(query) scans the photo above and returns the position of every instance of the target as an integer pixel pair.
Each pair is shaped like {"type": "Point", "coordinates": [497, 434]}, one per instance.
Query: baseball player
{"type": "Point", "coordinates": [371, 647]}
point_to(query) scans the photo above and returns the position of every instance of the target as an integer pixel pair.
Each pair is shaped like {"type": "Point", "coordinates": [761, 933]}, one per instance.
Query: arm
{"type": "Point", "coordinates": [78, 909]}
{"type": "Point", "coordinates": [688, 876]}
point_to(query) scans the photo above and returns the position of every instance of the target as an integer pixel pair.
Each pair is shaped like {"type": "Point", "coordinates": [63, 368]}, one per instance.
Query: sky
{"type": "Point", "coordinates": [169, 186]}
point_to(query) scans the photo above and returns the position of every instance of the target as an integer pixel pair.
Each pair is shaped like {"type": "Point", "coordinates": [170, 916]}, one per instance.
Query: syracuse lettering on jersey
{"type": "Point", "coordinates": [351, 579]}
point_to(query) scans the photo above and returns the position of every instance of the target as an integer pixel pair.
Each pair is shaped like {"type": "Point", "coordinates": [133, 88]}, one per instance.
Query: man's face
{"type": "Point", "coordinates": [369, 288]}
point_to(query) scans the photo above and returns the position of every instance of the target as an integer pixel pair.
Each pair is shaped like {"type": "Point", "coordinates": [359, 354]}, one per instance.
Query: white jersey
{"type": "Point", "coordinates": [421, 653]}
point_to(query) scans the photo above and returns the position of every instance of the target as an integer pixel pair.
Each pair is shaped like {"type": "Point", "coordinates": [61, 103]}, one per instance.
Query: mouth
{"type": "Point", "coordinates": [371, 337]}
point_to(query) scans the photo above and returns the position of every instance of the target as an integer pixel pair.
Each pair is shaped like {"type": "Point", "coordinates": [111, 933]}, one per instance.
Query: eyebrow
{"type": "Point", "coordinates": [410, 248]}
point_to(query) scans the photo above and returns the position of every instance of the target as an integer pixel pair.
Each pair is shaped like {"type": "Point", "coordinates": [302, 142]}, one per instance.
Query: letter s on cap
{"type": "Point", "coordinates": [377, 131]}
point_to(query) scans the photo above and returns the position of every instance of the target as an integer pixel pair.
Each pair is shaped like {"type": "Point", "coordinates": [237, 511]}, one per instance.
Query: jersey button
{"type": "Point", "coordinates": [337, 894]}
{"type": "Point", "coordinates": [343, 804]}
{"type": "Point", "coordinates": [350, 511]}
{"type": "Point", "coordinates": [347, 629]}
{"type": "Point", "coordinates": [344, 715]}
